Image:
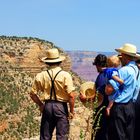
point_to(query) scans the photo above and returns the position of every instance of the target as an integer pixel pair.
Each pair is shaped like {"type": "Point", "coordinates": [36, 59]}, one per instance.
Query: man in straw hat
{"type": "Point", "coordinates": [137, 111]}
{"type": "Point", "coordinates": [122, 115]}
{"type": "Point", "coordinates": [57, 88]}
{"type": "Point", "coordinates": [100, 62]}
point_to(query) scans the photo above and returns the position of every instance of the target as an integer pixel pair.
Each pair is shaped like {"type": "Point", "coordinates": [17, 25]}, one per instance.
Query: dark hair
{"type": "Point", "coordinates": [138, 61]}
{"type": "Point", "coordinates": [100, 60]}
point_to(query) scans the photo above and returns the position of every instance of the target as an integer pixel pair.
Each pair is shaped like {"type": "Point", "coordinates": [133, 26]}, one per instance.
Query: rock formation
{"type": "Point", "coordinates": [25, 53]}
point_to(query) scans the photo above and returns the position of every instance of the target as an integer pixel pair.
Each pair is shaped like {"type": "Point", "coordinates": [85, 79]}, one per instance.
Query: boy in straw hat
{"type": "Point", "coordinates": [57, 88]}
{"type": "Point", "coordinates": [122, 115]}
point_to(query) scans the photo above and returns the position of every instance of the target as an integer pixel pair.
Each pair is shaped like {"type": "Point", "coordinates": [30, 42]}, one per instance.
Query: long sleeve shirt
{"type": "Point", "coordinates": [127, 73]}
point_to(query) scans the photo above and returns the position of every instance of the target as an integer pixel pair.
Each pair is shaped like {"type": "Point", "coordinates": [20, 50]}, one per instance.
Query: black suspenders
{"type": "Point", "coordinates": [135, 71]}
{"type": "Point", "coordinates": [53, 88]}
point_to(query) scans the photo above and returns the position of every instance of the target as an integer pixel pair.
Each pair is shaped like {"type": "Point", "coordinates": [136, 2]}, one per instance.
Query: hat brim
{"type": "Point", "coordinates": [95, 102]}
{"type": "Point", "coordinates": [48, 60]}
{"type": "Point", "coordinates": [88, 89]}
{"type": "Point", "coordinates": [94, 99]}
{"type": "Point", "coordinates": [128, 53]}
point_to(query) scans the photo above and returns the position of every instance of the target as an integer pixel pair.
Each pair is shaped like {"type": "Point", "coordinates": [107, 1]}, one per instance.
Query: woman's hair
{"type": "Point", "coordinates": [113, 61]}
{"type": "Point", "coordinates": [100, 60]}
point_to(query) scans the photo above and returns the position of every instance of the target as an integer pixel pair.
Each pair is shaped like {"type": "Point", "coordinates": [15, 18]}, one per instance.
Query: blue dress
{"type": "Point", "coordinates": [100, 83]}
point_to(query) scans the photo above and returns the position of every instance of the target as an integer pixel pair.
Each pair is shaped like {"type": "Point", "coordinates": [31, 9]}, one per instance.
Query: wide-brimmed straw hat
{"type": "Point", "coordinates": [88, 89]}
{"type": "Point", "coordinates": [53, 56]}
{"type": "Point", "coordinates": [128, 49]}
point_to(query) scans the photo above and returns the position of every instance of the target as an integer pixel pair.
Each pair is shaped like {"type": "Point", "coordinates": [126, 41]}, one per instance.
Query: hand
{"type": "Point", "coordinates": [71, 115]}
{"type": "Point", "coordinates": [108, 111]}
{"type": "Point", "coordinates": [82, 97]}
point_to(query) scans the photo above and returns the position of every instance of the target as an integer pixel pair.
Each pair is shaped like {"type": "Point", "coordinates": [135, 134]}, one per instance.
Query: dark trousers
{"type": "Point", "coordinates": [102, 132]}
{"type": "Point", "coordinates": [122, 121]}
{"type": "Point", "coordinates": [55, 115]}
{"type": "Point", "coordinates": [137, 121]}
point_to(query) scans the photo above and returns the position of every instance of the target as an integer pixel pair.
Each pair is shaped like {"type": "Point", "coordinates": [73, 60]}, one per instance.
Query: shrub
{"type": "Point", "coordinates": [17, 111]}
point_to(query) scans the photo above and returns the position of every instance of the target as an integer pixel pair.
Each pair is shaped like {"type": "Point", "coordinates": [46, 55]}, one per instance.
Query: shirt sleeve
{"type": "Point", "coordinates": [114, 84]}
{"type": "Point", "coordinates": [115, 73]}
{"type": "Point", "coordinates": [38, 84]}
{"type": "Point", "coordinates": [100, 82]}
{"type": "Point", "coordinates": [69, 83]}
{"type": "Point", "coordinates": [115, 94]}
{"type": "Point", "coordinates": [109, 72]}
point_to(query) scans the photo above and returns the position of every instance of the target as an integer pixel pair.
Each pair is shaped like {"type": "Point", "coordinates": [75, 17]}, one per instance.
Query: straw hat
{"type": "Point", "coordinates": [88, 89]}
{"type": "Point", "coordinates": [128, 49]}
{"type": "Point", "coordinates": [53, 56]}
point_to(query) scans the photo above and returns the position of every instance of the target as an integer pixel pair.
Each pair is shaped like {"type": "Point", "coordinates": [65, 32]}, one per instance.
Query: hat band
{"type": "Point", "coordinates": [129, 53]}
{"type": "Point", "coordinates": [53, 58]}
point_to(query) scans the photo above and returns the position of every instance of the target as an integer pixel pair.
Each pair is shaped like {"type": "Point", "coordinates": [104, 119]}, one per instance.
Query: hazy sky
{"type": "Point", "coordinates": [95, 25]}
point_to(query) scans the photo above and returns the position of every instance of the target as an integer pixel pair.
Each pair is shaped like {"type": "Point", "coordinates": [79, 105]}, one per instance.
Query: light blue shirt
{"type": "Point", "coordinates": [128, 75]}
{"type": "Point", "coordinates": [115, 85]}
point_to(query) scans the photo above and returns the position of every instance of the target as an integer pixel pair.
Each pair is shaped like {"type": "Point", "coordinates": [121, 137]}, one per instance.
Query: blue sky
{"type": "Point", "coordinates": [92, 25]}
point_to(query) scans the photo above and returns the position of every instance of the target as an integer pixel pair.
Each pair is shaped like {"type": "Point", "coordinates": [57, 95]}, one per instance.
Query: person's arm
{"type": "Point", "coordinates": [110, 104]}
{"type": "Point", "coordinates": [36, 99]}
{"type": "Point", "coordinates": [109, 107]}
{"type": "Point", "coordinates": [82, 98]}
{"type": "Point", "coordinates": [109, 89]}
{"type": "Point", "coordinates": [71, 103]}
{"type": "Point", "coordinates": [119, 80]}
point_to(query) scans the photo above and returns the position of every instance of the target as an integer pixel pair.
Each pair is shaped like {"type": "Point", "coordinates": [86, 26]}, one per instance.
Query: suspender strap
{"type": "Point", "coordinates": [53, 87]}
{"type": "Point", "coordinates": [135, 71]}
{"type": "Point", "coordinates": [137, 74]}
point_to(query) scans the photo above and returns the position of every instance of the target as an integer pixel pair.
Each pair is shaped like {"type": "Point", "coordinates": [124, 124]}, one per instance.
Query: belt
{"type": "Point", "coordinates": [130, 101]}
{"type": "Point", "coordinates": [54, 101]}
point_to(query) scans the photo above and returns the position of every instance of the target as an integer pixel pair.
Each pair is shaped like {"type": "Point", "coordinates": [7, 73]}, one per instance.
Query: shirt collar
{"type": "Point", "coordinates": [131, 63]}
{"type": "Point", "coordinates": [54, 67]}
